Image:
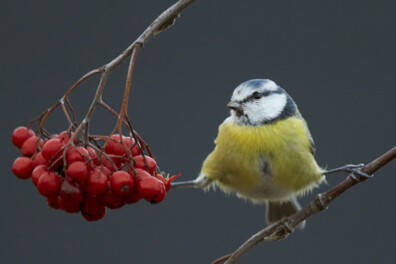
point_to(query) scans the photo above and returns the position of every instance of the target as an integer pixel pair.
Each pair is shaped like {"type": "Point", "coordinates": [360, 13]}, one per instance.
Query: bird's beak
{"type": "Point", "coordinates": [234, 105]}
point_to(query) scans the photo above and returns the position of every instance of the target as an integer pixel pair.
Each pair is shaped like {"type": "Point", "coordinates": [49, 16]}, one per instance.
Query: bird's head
{"type": "Point", "coordinates": [258, 102]}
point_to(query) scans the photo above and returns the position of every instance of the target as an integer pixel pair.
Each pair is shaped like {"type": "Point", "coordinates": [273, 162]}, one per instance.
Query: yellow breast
{"type": "Point", "coordinates": [285, 145]}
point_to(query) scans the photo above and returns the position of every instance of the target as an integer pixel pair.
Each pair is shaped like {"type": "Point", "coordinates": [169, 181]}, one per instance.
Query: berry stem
{"type": "Point", "coordinates": [71, 110]}
{"type": "Point", "coordinates": [66, 113]}
{"type": "Point", "coordinates": [43, 117]}
{"type": "Point", "coordinates": [125, 99]}
{"type": "Point", "coordinates": [160, 24]}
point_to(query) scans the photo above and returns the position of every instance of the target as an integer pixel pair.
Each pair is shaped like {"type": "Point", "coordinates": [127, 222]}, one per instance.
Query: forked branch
{"type": "Point", "coordinates": [81, 130]}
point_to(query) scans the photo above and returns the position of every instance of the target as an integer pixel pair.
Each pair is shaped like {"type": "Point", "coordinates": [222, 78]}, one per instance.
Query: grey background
{"type": "Point", "coordinates": [335, 58]}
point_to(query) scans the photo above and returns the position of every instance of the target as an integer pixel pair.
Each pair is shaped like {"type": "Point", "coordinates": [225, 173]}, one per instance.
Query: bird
{"type": "Point", "coordinates": [264, 152]}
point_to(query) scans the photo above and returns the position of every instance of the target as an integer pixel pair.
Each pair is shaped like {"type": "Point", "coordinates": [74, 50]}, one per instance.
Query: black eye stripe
{"type": "Point", "coordinates": [257, 95]}
{"type": "Point", "coordinates": [263, 94]}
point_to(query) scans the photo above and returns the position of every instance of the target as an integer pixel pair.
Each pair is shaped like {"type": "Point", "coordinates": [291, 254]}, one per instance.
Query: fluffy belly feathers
{"type": "Point", "coordinates": [263, 162]}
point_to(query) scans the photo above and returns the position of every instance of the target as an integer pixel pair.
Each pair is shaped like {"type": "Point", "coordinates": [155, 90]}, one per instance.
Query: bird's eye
{"type": "Point", "coordinates": [257, 95]}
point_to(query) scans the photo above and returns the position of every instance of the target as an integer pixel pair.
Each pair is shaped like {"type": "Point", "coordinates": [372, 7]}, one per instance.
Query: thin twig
{"type": "Point", "coordinates": [158, 25]}
{"type": "Point", "coordinates": [43, 117]}
{"type": "Point", "coordinates": [221, 259]}
{"type": "Point", "coordinates": [79, 133]}
{"type": "Point", "coordinates": [125, 99]}
{"type": "Point", "coordinates": [155, 27]}
{"type": "Point", "coordinates": [66, 113]}
{"type": "Point", "coordinates": [71, 109]}
{"type": "Point", "coordinates": [284, 227]}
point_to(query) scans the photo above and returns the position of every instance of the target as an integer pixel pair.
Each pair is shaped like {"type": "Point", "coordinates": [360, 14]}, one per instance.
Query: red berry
{"type": "Point", "coordinates": [141, 164]}
{"type": "Point", "coordinates": [78, 171]}
{"type": "Point", "coordinates": [108, 164]}
{"type": "Point", "coordinates": [165, 182]}
{"type": "Point", "coordinates": [71, 192]}
{"type": "Point", "coordinates": [76, 154]}
{"type": "Point", "coordinates": [160, 195]}
{"type": "Point", "coordinates": [92, 204]}
{"type": "Point", "coordinates": [49, 184]}
{"type": "Point", "coordinates": [135, 151]}
{"type": "Point", "coordinates": [141, 174]}
{"type": "Point", "coordinates": [52, 149]}
{"type": "Point", "coordinates": [121, 183]}
{"type": "Point", "coordinates": [70, 196]}
{"type": "Point", "coordinates": [97, 182]}
{"type": "Point", "coordinates": [20, 135]}
{"type": "Point", "coordinates": [112, 200]}
{"type": "Point", "coordinates": [105, 171]}
{"type": "Point", "coordinates": [39, 160]}
{"type": "Point", "coordinates": [93, 155]}
{"type": "Point", "coordinates": [99, 215]}
{"type": "Point", "coordinates": [23, 167]}
{"type": "Point", "coordinates": [30, 146]}
{"type": "Point", "coordinates": [68, 207]}
{"type": "Point", "coordinates": [37, 172]}
{"type": "Point", "coordinates": [130, 142]}
{"type": "Point", "coordinates": [53, 202]}
{"type": "Point", "coordinates": [152, 189]}
{"type": "Point", "coordinates": [64, 137]}
{"type": "Point", "coordinates": [133, 197]}
{"type": "Point", "coordinates": [117, 162]}
{"type": "Point", "coordinates": [114, 146]}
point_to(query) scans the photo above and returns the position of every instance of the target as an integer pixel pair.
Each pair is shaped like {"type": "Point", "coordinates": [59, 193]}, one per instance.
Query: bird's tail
{"type": "Point", "coordinates": [279, 210]}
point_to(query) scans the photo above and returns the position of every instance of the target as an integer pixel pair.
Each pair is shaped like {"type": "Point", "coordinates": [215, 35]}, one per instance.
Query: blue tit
{"type": "Point", "coordinates": [264, 151]}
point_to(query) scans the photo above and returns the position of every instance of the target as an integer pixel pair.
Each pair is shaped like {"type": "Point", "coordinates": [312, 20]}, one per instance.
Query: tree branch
{"type": "Point", "coordinates": [284, 227]}
{"type": "Point", "coordinates": [155, 27]}
{"type": "Point", "coordinates": [161, 23]}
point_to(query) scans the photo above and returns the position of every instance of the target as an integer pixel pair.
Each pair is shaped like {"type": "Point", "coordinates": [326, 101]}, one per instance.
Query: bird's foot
{"type": "Point", "coordinates": [281, 234]}
{"type": "Point", "coordinates": [354, 169]}
{"type": "Point", "coordinates": [201, 182]}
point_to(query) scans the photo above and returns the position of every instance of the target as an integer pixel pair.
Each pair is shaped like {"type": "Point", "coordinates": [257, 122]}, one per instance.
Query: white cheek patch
{"type": "Point", "coordinates": [265, 109]}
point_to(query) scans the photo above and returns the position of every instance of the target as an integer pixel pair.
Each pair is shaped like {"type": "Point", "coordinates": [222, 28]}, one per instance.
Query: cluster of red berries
{"type": "Point", "coordinates": [75, 179]}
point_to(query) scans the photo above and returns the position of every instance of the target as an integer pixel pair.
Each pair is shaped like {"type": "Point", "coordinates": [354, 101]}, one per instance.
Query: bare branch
{"type": "Point", "coordinates": [159, 24]}
{"type": "Point", "coordinates": [284, 227]}
{"type": "Point", "coordinates": [154, 28]}
{"type": "Point", "coordinates": [79, 133]}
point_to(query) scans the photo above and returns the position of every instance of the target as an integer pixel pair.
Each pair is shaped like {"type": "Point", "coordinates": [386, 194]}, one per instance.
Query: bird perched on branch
{"type": "Point", "coordinates": [264, 151]}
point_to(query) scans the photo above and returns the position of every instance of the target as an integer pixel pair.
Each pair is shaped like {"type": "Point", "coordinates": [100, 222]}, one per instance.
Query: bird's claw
{"type": "Point", "coordinates": [354, 169]}
{"type": "Point", "coordinates": [355, 166]}
{"type": "Point", "coordinates": [358, 172]}
{"type": "Point", "coordinates": [281, 234]}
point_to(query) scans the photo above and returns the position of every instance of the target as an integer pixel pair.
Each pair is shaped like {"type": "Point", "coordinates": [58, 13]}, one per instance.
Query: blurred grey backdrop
{"type": "Point", "coordinates": [335, 58]}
